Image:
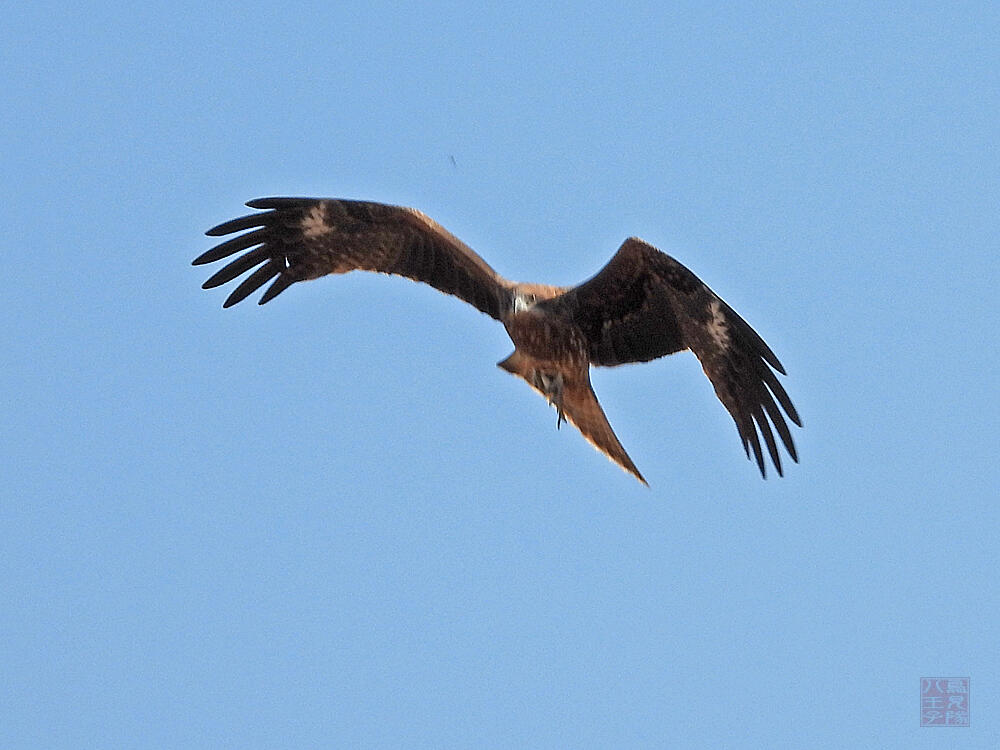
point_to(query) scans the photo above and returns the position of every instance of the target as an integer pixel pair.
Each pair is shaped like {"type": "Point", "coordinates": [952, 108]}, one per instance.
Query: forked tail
{"type": "Point", "coordinates": [580, 406]}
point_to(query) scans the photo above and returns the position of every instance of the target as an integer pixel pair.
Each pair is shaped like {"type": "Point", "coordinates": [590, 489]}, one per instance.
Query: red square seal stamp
{"type": "Point", "coordinates": [944, 701]}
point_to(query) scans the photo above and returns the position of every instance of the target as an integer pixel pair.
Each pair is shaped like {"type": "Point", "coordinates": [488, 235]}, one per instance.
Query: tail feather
{"type": "Point", "coordinates": [585, 413]}
{"type": "Point", "coordinates": [581, 409]}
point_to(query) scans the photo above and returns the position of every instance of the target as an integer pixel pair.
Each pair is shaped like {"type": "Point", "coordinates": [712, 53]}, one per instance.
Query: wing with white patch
{"type": "Point", "coordinates": [644, 304]}
{"type": "Point", "coordinates": [297, 239]}
{"type": "Point", "coordinates": [736, 360]}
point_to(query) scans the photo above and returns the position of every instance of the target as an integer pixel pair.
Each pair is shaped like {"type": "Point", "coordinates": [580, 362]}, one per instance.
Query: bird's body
{"type": "Point", "coordinates": [641, 306]}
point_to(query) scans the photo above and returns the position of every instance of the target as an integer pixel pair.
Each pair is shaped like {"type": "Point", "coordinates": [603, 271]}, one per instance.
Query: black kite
{"type": "Point", "coordinates": [642, 305]}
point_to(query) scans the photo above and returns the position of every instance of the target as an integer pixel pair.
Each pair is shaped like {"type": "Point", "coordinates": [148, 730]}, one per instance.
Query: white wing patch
{"type": "Point", "coordinates": [718, 329]}
{"type": "Point", "coordinates": [314, 223]}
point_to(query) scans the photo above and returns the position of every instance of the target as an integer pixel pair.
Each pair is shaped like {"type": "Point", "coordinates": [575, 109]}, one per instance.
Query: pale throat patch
{"type": "Point", "coordinates": [314, 222]}
{"type": "Point", "coordinates": [717, 327]}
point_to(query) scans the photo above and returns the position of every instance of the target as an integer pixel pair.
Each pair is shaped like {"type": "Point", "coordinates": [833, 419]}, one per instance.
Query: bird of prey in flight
{"type": "Point", "coordinates": [642, 305]}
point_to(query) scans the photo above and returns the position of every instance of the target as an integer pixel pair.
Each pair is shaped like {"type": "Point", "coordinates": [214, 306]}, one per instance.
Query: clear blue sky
{"type": "Point", "coordinates": [332, 521]}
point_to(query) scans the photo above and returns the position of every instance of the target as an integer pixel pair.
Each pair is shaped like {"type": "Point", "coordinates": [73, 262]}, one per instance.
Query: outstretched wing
{"type": "Point", "coordinates": [304, 238]}
{"type": "Point", "coordinates": [644, 304]}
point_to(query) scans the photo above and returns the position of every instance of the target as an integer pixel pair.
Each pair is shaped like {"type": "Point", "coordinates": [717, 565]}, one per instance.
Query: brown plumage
{"type": "Point", "coordinates": [642, 305]}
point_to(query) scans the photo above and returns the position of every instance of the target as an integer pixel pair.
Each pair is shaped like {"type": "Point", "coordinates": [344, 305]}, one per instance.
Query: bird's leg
{"type": "Point", "coordinates": [556, 399]}
{"type": "Point", "coordinates": [552, 387]}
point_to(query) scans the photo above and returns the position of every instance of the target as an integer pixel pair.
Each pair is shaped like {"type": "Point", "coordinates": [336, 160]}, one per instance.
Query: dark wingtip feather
{"type": "Point", "coordinates": [758, 454]}
{"type": "Point", "coordinates": [279, 285]}
{"type": "Point", "coordinates": [238, 267]}
{"type": "Point", "coordinates": [252, 283]}
{"type": "Point", "coordinates": [793, 414]}
{"type": "Point", "coordinates": [779, 424]}
{"type": "Point", "coordinates": [232, 246]}
{"type": "Point", "coordinates": [753, 339]}
{"type": "Point", "coordinates": [790, 445]}
{"type": "Point", "coordinates": [765, 351]}
{"type": "Point", "coordinates": [766, 432]}
{"type": "Point", "coordinates": [238, 225]}
{"type": "Point", "coordinates": [781, 394]}
{"type": "Point", "coordinates": [748, 435]}
{"type": "Point", "coordinates": [280, 202]}
{"type": "Point", "coordinates": [209, 256]}
{"type": "Point", "coordinates": [769, 356]}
